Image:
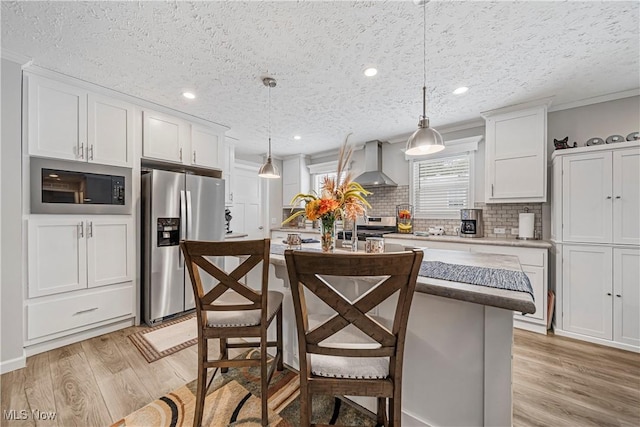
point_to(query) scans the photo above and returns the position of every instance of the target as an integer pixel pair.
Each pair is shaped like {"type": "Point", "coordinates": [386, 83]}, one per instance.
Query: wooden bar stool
{"type": "Point", "coordinates": [233, 310]}
{"type": "Point", "coordinates": [333, 360]}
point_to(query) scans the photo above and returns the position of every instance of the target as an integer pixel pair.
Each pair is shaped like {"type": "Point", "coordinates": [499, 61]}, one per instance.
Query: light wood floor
{"type": "Point", "coordinates": [557, 382]}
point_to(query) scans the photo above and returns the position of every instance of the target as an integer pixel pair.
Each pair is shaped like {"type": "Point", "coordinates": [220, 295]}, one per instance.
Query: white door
{"type": "Point", "coordinates": [163, 136]}
{"type": "Point", "coordinates": [110, 131]}
{"type": "Point", "coordinates": [626, 196]}
{"type": "Point", "coordinates": [587, 198]}
{"type": "Point", "coordinates": [626, 288]}
{"type": "Point", "coordinates": [587, 300]}
{"type": "Point", "coordinates": [109, 250]}
{"type": "Point", "coordinates": [247, 206]}
{"type": "Point", "coordinates": [207, 147]}
{"type": "Point", "coordinates": [57, 119]}
{"type": "Point", "coordinates": [57, 254]}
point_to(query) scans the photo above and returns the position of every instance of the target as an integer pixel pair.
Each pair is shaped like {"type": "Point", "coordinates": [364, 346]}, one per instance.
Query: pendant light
{"type": "Point", "coordinates": [425, 140]}
{"type": "Point", "coordinates": [269, 170]}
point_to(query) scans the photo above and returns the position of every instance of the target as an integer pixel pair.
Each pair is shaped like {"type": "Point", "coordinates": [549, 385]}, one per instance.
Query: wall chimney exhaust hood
{"type": "Point", "coordinates": [373, 175]}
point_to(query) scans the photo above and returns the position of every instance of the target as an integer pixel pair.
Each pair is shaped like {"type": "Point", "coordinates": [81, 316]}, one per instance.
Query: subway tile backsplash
{"type": "Point", "coordinates": [502, 215]}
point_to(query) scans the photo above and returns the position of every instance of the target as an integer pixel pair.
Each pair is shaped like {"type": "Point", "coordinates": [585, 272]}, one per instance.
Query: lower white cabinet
{"type": "Point", "coordinates": [601, 295]}
{"type": "Point", "coordinates": [69, 252]}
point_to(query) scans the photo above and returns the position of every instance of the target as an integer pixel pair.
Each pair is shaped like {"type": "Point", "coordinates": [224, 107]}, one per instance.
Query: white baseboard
{"type": "Point", "coordinates": [13, 364]}
{"type": "Point", "coordinates": [411, 420]}
{"type": "Point", "coordinates": [600, 341]}
{"type": "Point", "coordinates": [80, 336]}
{"type": "Point", "coordinates": [533, 327]}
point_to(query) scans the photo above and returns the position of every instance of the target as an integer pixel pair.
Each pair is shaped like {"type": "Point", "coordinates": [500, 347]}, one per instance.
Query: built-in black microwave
{"type": "Point", "coordinates": [59, 186]}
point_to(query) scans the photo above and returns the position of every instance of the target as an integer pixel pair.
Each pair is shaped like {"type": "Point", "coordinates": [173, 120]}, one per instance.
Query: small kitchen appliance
{"type": "Point", "coordinates": [471, 223]}
{"type": "Point", "coordinates": [371, 226]}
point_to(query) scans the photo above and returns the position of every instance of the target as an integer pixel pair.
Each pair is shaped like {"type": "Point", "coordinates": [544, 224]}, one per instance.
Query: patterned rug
{"type": "Point", "coordinates": [167, 338]}
{"type": "Point", "coordinates": [234, 400]}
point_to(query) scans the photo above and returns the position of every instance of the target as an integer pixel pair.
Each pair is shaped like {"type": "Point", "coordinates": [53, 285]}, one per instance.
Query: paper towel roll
{"type": "Point", "coordinates": [525, 225]}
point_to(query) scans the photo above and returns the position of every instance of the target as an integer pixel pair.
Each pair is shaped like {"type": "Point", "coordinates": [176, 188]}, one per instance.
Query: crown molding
{"type": "Point", "coordinates": [596, 100]}
{"type": "Point", "coordinates": [17, 57]}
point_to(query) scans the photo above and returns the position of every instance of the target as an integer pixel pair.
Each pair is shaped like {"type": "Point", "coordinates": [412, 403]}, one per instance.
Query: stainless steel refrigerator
{"type": "Point", "coordinates": [175, 206]}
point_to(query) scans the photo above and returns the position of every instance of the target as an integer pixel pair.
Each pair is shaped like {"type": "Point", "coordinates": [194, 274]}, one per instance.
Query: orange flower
{"type": "Point", "coordinates": [311, 209]}
{"type": "Point", "coordinates": [327, 206]}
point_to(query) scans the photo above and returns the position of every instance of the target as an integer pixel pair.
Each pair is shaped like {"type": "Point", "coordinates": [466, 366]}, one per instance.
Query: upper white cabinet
{"type": "Point", "coordinates": [295, 178]}
{"type": "Point", "coordinates": [600, 197]}
{"type": "Point", "coordinates": [67, 122]}
{"type": "Point", "coordinates": [207, 147]}
{"type": "Point", "coordinates": [228, 169]}
{"type": "Point", "coordinates": [516, 155]}
{"type": "Point", "coordinates": [172, 139]}
{"type": "Point", "coordinates": [164, 137]}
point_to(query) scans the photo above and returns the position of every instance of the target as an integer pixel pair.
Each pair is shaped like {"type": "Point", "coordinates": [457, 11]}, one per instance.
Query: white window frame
{"type": "Point", "coordinates": [458, 148]}
{"type": "Point", "coordinates": [320, 170]}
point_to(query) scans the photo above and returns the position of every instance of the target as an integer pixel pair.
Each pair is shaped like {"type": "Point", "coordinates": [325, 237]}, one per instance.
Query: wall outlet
{"type": "Point", "coordinates": [499, 231]}
{"type": "Point", "coordinates": [515, 231]}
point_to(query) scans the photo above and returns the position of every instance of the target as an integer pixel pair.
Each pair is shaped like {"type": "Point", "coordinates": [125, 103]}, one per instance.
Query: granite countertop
{"type": "Point", "coordinates": [510, 300]}
{"type": "Point", "coordinates": [541, 244]}
{"type": "Point", "coordinates": [297, 230]}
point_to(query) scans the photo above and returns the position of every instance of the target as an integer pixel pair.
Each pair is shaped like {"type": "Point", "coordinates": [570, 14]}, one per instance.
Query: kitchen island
{"type": "Point", "coordinates": [457, 367]}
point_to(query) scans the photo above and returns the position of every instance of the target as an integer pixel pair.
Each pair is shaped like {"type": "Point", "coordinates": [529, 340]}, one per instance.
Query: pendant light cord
{"type": "Point", "coordinates": [424, 58]}
{"type": "Point", "coordinates": [269, 121]}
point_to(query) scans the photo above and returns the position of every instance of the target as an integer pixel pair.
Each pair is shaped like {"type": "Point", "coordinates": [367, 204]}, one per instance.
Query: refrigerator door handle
{"type": "Point", "coordinates": [189, 217]}
{"type": "Point", "coordinates": [183, 217]}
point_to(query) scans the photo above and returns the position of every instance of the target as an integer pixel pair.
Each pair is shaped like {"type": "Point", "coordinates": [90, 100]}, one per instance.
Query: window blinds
{"type": "Point", "coordinates": [441, 186]}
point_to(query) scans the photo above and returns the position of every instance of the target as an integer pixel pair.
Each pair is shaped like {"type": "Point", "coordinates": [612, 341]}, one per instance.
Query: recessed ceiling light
{"type": "Point", "coordinates": [53, 175]}
{"type": "Point", "coordinates": [460, 90]}
{"type": "Point", "coordinates": [370, 72]}
{"type": "Point", "coordinates": [188, 95]}
{"type": "Point", "coordinates": [297, 137]}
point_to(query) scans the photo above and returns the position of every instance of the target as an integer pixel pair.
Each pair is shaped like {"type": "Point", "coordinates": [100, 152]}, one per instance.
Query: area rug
{"type": "Point", "coordinates": [234, 400]}
{"type": "Point", "coordinates": [167, 338]}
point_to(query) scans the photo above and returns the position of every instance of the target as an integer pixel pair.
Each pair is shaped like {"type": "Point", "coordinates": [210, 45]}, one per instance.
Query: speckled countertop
{"type": "Point", "coordinates": [510, 300]}
{"type": "Point", "coordinates": [297, 230]}
{"type": "Point", "coordinates": [541, 244]}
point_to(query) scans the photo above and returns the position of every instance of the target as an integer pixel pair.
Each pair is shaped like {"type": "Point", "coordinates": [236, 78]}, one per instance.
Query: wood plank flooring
{"type": "Point", "coordinates": [557, 381]}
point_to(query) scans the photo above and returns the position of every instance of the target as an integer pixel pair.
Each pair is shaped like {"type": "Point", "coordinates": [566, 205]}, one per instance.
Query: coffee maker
{"type": "Point", "coordinates": [471, 223]}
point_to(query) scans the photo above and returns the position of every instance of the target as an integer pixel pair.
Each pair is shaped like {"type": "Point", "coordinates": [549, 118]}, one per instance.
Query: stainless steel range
{"type": "Point", "coordinates": [371, 226]}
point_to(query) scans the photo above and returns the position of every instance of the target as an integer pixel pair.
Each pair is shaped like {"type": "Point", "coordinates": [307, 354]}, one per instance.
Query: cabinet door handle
{"type": "Point", "coordinates": [618, 197]}
{"type": "Point", "coordinates": [180, 153]}
{"type": "Point", "coordinates": [90, 229]}
{"type": "Point", "coordinates": [608, 293]}
{"type": "Point", "coordinates": [81, 150]}
{"type": "Point", "coordinates": [619, 296]}
{"type": "Point", "coordinates": [608, 197]}
{"type": "Point", "coordinates": [81, 230]}
{"type": "Point", "coordinates": [491, 190]}
{"type": "Point", "coordinates": [231, 196]}
{"type": "Point", "coordinates": [90, 152]}
{"type": "Point", "coordinates": [194, 156]}
{"type": "Point", "coordinates": [85, 311]}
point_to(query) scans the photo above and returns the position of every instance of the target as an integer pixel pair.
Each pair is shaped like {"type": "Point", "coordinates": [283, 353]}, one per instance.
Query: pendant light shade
{"type": "Point", "coordinates": [269, 170]}
{"type": "Point", "coordinates": [425, 140]}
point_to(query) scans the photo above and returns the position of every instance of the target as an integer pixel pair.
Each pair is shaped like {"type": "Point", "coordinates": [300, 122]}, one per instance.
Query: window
{"type": "Point", "coordinates": [441, 187]}
{"type": "Point", "coordinates": [318, 179]}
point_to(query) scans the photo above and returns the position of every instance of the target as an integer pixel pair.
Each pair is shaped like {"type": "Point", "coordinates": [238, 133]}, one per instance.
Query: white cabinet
{"type": "Point", "coordinates": [228, 169]}
{"type": "Point", "coordinates": [164, 137]}
{"type": "Point", "coordinates": [516, 155]}
{"type": "Point", "coordinates": [68, 252]}
{"type": "Point", "coordinates": [295, 178]}
{"type": "Point", "coordinates": [600, 197]}
{"type": "Point", "coordinates": [626, 291]}
{"type": "Point", "coordinates": [601, 293]}
{"type": "Point", "coordinates": [534, 262]}
{"type": "Point", "coordinates": [66, 122]}
{"type": "Point", "coordinates": [207, 147]}
{"type": "Point", "coordinates": [587, 300]}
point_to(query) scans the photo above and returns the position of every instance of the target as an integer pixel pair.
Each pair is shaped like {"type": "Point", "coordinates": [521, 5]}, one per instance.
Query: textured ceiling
{"type": "Point", "coordinates": [505, 52]}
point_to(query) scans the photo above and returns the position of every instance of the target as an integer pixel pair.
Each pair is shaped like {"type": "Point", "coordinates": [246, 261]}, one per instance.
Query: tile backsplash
{"type": "Point", "coordinates": [501, 215]}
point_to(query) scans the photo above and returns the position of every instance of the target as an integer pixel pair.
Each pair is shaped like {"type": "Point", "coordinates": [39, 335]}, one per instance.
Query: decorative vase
{"type": "Point", "coordinates": [328, 233]}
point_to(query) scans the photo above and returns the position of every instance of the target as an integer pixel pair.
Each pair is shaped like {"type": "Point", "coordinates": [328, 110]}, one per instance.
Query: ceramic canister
{"type": "Point", "coordinates": [374, 245]}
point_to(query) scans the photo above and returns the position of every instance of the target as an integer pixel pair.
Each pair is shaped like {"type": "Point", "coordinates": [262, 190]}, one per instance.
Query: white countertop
{"type": "Point", "coordinates": [235, 235]}
{"type": "Point", "coordinates": [542, 244]}
{"type": "Point", "coordinates": [510, 300]}
{"type": "Point", "coordinates": [297, 230]}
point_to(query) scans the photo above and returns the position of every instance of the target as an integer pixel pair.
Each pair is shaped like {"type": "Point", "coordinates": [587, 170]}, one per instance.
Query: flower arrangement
{"type": "Point", "coordinates": [340, 198]}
